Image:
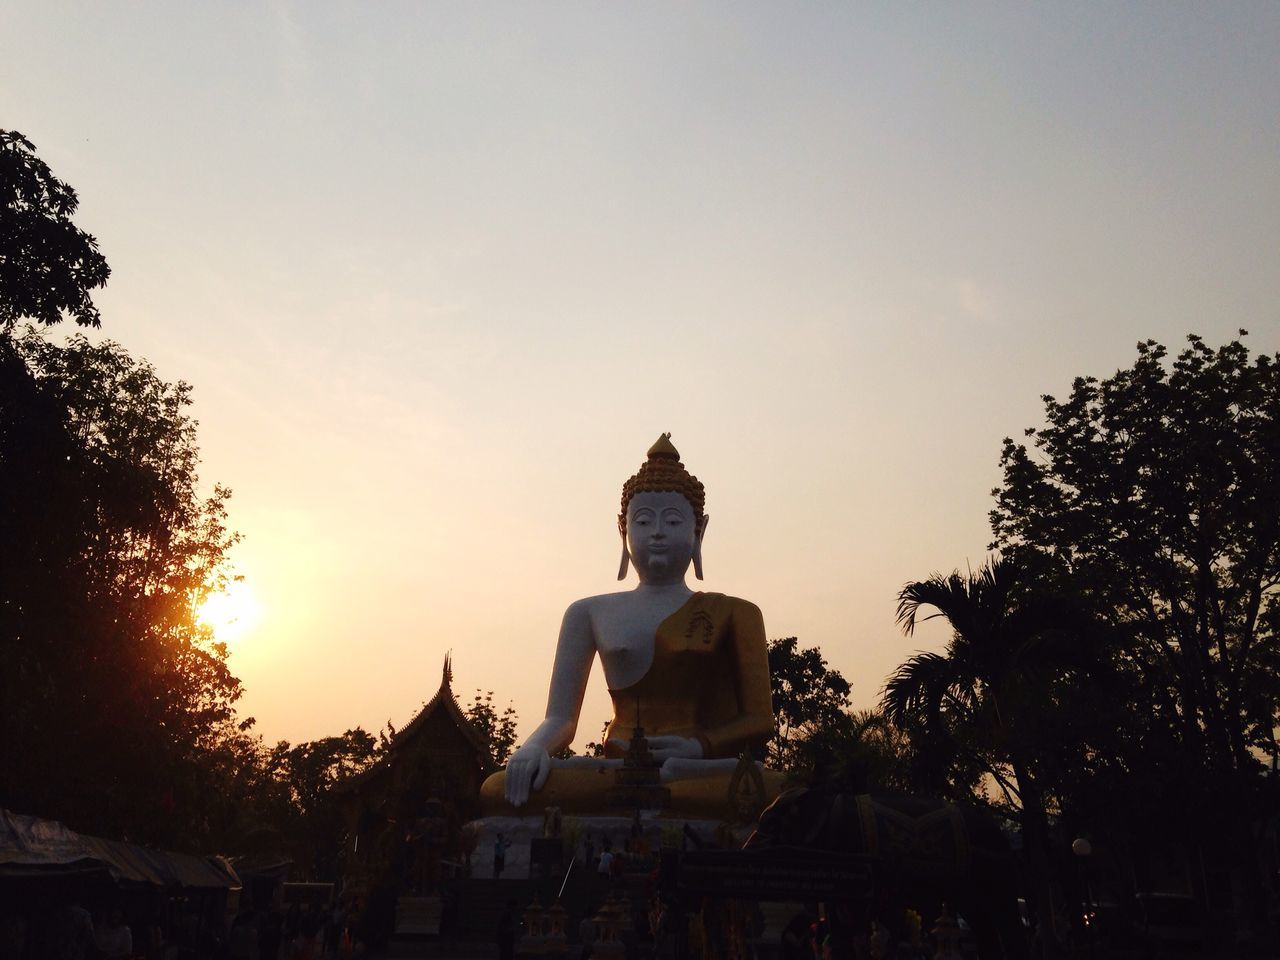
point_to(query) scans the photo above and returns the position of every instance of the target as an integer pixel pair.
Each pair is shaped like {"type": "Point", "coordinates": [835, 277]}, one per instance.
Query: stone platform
{"type": "Point", "coordinates": [658, 830]}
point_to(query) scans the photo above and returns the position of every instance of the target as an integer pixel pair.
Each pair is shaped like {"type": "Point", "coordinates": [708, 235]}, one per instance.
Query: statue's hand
{"type": "Point", "coordinates": [528, 766]}
{"type": "Point", "coordinates": [684, 748]}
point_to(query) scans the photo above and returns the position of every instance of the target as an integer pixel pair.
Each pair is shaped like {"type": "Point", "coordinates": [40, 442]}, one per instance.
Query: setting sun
{"type": "Point", "coordinates": [231, 613]}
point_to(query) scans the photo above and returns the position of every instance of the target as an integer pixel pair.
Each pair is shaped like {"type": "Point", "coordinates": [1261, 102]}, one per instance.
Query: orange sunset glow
{"type": "Point", "coordinates": [232, 613]}
{"type": "Point", "coordinates": [690, 481]}
{"type": "Point", "coordinates": [839, 255]}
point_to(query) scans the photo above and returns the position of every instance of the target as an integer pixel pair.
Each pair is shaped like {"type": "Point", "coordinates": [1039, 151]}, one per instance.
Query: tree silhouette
{"type": "Point", "coordinates": [48, 265]}
{"type": "Point", "coordinates": [119, 707]}
{"type": "Point", "coordinates": [114, 693]}
{"type": "Point", "coordinates": [1156, 493]}
{"type": "Point", "coordinates": [499, 729]}
{"type": "Point", "coordinates": [314, 827]}
{"type": "Point", "coordinates": [808, 696]}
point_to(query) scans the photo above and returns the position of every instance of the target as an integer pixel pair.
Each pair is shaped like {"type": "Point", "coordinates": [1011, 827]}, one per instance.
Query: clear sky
{"type": "Point", "coordinates": [440, 274]}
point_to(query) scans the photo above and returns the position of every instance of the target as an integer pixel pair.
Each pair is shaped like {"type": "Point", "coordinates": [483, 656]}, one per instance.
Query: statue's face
{"type": "Point", "coordinates": [661, 536]}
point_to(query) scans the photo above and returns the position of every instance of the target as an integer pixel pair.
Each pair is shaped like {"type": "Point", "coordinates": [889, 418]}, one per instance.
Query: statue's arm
{"type": "Point", "coordinates": [530, 765]}
{"type": "Point", "coordinates": [575, 652]}
{"type": "Point", "coordinates": [754, 723]}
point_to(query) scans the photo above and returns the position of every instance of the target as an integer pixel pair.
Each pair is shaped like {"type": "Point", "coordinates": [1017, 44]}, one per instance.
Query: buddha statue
{"type": "Point", "coordinates": [690, 668]}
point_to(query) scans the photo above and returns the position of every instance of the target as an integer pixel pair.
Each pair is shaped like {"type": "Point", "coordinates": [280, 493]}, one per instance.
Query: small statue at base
{"type": "Point", "coordinates": [696, 662]}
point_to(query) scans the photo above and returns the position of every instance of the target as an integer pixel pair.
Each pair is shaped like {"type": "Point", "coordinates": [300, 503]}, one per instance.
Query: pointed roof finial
{"type": "Point", "coordinates": [447, 680]}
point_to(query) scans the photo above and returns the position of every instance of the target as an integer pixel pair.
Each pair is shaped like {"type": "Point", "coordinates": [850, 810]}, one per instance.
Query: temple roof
{"type": "Point", "coordinates": [443, 701]}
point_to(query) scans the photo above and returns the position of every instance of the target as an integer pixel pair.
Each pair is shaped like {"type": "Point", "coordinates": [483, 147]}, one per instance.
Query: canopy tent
{"type": "Point", "coordinates": [258, 867]}
{"type": "Point", "coordinates": [31, 847]}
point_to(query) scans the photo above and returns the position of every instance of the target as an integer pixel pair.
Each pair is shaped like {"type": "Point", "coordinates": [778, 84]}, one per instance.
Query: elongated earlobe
{"type": "Point", "coordinates": [625, 564]}
{"type": "Point", "coordinates": [697, 546]}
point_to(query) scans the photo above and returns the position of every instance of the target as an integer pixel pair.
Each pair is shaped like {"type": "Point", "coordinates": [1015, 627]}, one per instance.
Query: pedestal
{"type": "Point", "coordinates": [657, 830]}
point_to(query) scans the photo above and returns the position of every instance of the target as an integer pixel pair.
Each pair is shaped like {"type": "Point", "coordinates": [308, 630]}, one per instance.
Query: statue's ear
{"type": "Point", "coordinates": [697, 545]}
{"type": "Point", "coordinates": [626, 558]}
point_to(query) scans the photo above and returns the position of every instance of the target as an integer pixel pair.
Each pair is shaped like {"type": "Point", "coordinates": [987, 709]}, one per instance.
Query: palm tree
{"type": "Point", "coordinates": [859, 751]}
{"type": "Point", "coordinates": [985, 695]}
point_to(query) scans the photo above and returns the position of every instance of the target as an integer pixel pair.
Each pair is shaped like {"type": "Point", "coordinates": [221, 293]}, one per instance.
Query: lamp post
{"type": "Point", "coordinates": [1083, 849]}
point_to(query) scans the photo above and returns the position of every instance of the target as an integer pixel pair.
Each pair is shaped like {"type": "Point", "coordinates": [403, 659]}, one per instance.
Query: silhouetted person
{"type": "Point", "coordinates": [71, 932]}
{"type": "Point", "coordinates": [506, 932]}
{"type": "Point", "coordinates": [270, 933]}
{"type": "Point", "coordinates": [335, 921]}
{"type": "Point", "coordinates": [500, 846]}
{"type": "Point", "coordinates": [13, 936]}
{"type": "Point", "coordinates": [796, 942]}
{"type": "Point", "coordinates": [660, 924]}
{"type": "Point", "coordinates": [679, 921]}
{"type": "Point", "coordinates": [242, 941]}
{"type": "Point", "coordinates": [114, 939]}
{"type": "Point", "coordinates": [309, 925]}
{"type": "Point", "coordinates": [587, 931]}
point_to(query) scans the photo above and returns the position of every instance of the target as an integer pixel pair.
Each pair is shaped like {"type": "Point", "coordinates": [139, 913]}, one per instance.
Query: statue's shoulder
{"type": "Point", "coordinates": [727, 606]}
{"type": "Point", "coordinates": [600, 601]}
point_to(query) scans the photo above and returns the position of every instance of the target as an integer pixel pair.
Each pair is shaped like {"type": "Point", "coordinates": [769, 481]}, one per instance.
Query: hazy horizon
{"type": "Point", "coordinates": [441, 274]}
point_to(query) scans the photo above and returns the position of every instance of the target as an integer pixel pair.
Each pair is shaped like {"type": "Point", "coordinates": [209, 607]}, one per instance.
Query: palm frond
{"type": "Point", "coordinates": [972, 603]}
{"type": "Point", "coordinates": [916, 690]}
{"type": "Point", "coordinates": [945, 594]}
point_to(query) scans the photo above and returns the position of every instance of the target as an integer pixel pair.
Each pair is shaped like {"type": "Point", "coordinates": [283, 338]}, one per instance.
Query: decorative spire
{"type": "Point", "coordinates": [663, 449]}
{"type": "Point", "coordinates": [447, 680]}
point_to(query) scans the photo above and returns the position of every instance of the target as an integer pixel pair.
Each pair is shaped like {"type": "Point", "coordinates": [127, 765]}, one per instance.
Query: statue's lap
{"type": "Point", "coordinates": [584, 790]}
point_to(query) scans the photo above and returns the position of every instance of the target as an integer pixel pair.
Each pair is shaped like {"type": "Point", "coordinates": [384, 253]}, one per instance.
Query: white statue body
{"type": "Point", "coordinates": [662, 538]}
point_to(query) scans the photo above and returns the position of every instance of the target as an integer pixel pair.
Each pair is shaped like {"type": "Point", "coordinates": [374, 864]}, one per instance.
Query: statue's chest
{"type": "Point", "coordinates": [627, 639]}
{"type": "Point", "coordinates": [625, 636]}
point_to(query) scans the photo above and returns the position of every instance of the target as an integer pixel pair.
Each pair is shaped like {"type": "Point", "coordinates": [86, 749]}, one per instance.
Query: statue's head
{"type": "Point", "coordinates": [662, 520]}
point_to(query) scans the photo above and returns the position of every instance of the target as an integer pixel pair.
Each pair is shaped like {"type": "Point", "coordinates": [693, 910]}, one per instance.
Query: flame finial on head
{"type": "Point", "coordinates": [663, 449]}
